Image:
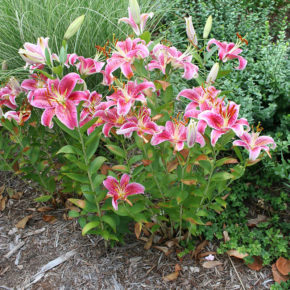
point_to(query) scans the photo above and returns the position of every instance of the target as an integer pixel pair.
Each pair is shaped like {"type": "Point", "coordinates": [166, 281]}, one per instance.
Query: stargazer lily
{"type": "Point", "coordinates": [229, 51]}
{"type": "Point", "coordinates": [88, 66]}
{"type": "Point", "coordinates": [174, 132]}
{"type": "Point", "coordinates": [163, 55]}
{"type": "Point", "coordinates": [121, 190]}
{"type": "Point", "coordinates": [37, 81]}
{"type": "Point", "coordinates": [137, 28]}
{"type": "Point", "coordinates": [9, 93]}
{"type": "Point", "coordinates": [255, 143]}
{"type": "Point", "coordinates": [125, 97]}
{"type": "Point", "coordinates": [123, 57]}
{"type": "Point", "coordinates": [60, 100]}
{"type": "Point", "coordinates": [222, 119]}
{"type": "Point", "coordinates": [141, 123]}
{"type": "Point", "coordinates": [20, 117]}
{"type": "Point", "coordinates": [111, 119]}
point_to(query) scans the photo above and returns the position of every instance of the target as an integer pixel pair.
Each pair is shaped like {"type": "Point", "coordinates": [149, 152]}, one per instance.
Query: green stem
{"type": "Point", "coordinates": [89, 173]}
{"type": "Point", "coordinates": [154, 176]}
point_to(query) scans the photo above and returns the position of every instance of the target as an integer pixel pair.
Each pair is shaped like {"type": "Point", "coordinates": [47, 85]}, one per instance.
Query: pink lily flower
{"type": "Point", "coordinates": [163, 55]}
{"type": "Point", "coordinates": [20, 116]}
{"type": "Point", "coordinates": [126, 52]}
{"type": "Point", "coordinates": [125, 97]}
{"type": "Point", "coordinates": [229, 51]}
{"type": "Point", "coordinates": [254, 144]}
{"type": "Point", "coordinates": [88, 66]}
{"type": "Point", "coordinates": [34, 53]}
{"type": "Point", "coordinates": [138, 29]}
{"type": "Point", "coordinates": [60, 100]}
{"type": "Point", "coordinates": [9, 93]}
{"type": "Point", "coordinates": [222, 119]}
{"type": "Point", "coordinates": [121, 190]}
{"type": "Point", "coordinates": [174, 132]}
{"type": "Point", "coordinates": [111, 119]}
{"type": "Point", "coordinates": [90, 107]}
{"type": "Point", "coordinates": [142, 124]}
{"type": "Point", "coordinates": [37, 81]}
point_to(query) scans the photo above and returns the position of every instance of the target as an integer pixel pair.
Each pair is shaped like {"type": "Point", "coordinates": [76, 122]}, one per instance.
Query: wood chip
{"type": "Point", "coordinates": [49, 266]}
{"type": "Point", "coordinates": [36, 232]}
{"type": "Point", "coordinates": [17, 247]}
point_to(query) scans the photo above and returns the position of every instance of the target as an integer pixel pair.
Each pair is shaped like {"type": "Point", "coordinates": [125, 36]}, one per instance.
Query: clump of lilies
{"type": "Point", "coordinates": [136, 109]}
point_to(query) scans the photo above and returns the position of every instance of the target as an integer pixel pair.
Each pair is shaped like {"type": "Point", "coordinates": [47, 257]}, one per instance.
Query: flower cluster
{"type": "Point", "coordinates": [125, 108]}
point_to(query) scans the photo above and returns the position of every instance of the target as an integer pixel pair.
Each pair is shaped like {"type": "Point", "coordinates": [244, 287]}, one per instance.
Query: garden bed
{"type": "Point", "coordinates": [126, 266]}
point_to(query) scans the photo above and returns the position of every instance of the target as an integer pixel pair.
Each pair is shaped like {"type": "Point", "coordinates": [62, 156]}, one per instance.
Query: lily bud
{"type": "Point", "coordinates": [191, 34]}
{"type": "Point", "coordinates": [191, 133]}
{"type": "Point", "coordinates": [135, 11]}
{"type": "Point", "coordinates": [207, 27]}
{"type": "Point", "coordinates": [212, 74]}
{"type": "Point", "coordinates": [74, 27]}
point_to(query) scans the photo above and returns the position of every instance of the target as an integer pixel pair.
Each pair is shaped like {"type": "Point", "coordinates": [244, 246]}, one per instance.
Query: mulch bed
{"type": "Point", "coordinates": [91, 265]}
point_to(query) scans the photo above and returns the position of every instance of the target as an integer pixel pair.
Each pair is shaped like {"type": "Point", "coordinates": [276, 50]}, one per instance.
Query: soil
{"type": "Point", "coordinates": [92, 266]}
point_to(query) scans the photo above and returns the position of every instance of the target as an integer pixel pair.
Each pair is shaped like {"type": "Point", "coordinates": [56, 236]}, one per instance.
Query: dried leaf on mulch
{"type": "Point", "coordinates": [2, 188]}
{"type": "Point", "coordinates": [237, 254]}
{"type": "Point", "coordinates": [149, 243]}
{"type": "Point", "coordinates": [257, 220]}
{"type": "Point", "coordinates": [49, 218]}
{"type": "Point", "coordinates": [257, 265]}
{"type": "Point", "coordinates": [278, 277]}
{"type": "Point", "coordinates": [171, 277]}
{"type": "Point", "coordinates": [2, 202]}
{"type": "Point", "coordinates": [22, 223]}
{"type": "Point", "coordinates": [283, 266]}
{"type": "Point", "coordinates": [211, 264]}
{"type": "Point", "coordinates": [199, 248]}
{"type": "Point", "coordinates": [226, 236]}
{"type": "Point", "coordinates": [165, 250]}
{"type": "Point", "coordinates": [138, 229]}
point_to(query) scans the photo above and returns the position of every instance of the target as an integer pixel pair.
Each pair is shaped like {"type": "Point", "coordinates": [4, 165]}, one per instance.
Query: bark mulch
{"type": "Point", "coordinates": [50, 253]}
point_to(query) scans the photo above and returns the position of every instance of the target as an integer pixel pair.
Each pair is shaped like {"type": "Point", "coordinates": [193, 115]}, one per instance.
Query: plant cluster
{"type": "Point", "coordinates": [171, 154]}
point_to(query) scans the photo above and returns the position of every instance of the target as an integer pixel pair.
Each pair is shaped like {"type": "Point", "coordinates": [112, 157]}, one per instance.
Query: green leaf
{"type": "Point", "coordinates": [200, 80]}
{"type": "Point", "coordinates": [47, 56]}
{"type": "Point", "coordinates": [197, 57]}
{"type": "Point", "coordinates": [69, 149]}
{"type": "Point", "coordinates": [73, 214]}
{"type": "Point", "coordinates": [221, 202]}
{"type": "Point", "coordinates": [219, 176]}
{"type": "Point", "coordinates": [146, 35]}
{"type": "Point", "coordinates": [85, 127]}
{"type": "Point", "coordinates": [98, 180]}
{"type": "Point", "coordinates": [238, 152]}
{"type": "Point", "coordinates": [209, 54]}
{"type": "Point", "coordinates": [110, 221]}
{"type": "Point", "coordinates": [90, 226]}
{"type": "Point", "coordinates": [34, 153]}
{"type": "Point", "coordinates": [93, 137]}
{"type": "Point", "coordinates": [135, 159]}
{"type": "Point", "coordinates": [43, 198]}
{"type": "Point", "coordinates": [77, 177]}
{"type": "Point", "coordinates": [62, 55]}
{"type": "Point", "coordinates": [92, 148]}
{"type": "Point", "coordinates": [116, 150]}
{"type": "Point", "coordinates": [206, 165]}
{"type": "Point", "coordinates": [181, 196]}
{"type": "Point", "coordinates": [96, 164]}
{"type": "Point", "coordinates": [223, 73]}
{"type": "Point", "coordinates": [66, 129]}
{"type": "Point", "coordinates": [238, 171]}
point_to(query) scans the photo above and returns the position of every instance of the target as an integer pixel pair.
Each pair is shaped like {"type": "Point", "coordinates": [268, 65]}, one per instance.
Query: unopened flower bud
{"type": "Point", "coordinates": [135, 11]}
{"type": "Point", "coordinates": [212, 74]}
{"type": "Point", "coordinates": [74, 27]}
{"type": "Point", "coordinates": [191, 34]}
{"type": "Point", "coordinates": [207, 27]}
{"type": "Point", "coordinates": [191, 133]}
